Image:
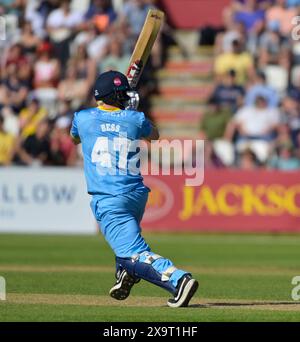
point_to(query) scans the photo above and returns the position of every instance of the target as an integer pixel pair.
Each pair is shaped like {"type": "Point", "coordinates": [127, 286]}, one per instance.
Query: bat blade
{"type": "Point", "coordinates": [144, 46]}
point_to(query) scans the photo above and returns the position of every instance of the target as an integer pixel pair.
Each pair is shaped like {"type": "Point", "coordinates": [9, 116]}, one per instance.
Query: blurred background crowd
{"type": "Point", "coordinates": [257, 91]}
{"type": "Point", "coordinates": [54, 50]}
{"type": "Point", "coordinates": [50, 58]}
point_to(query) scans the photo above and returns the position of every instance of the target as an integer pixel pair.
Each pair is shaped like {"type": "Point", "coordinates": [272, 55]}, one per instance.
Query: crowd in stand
{"type": "Point", "coordinates": [253, 119]}
{"type": "Point", "coordinates": [52, 52]}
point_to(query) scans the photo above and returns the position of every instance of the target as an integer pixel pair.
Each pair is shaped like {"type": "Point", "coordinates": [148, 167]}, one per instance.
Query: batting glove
{"type": "Point", "coordinates": [133, 102]}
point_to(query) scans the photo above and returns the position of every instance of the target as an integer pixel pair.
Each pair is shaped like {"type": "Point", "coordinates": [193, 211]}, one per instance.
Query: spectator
{"type": "Point", "coordinates": [46, 68]}
{"type": "Point", "coordinates": [281, 16]}
{"type": "Point", "coordinates": [96, 43]}
{"type": "Point", "coordinates": [35, 149]}
{"type": "Point", "coordinates": [291, 116]}
{"type": "Point", "coordinates": [247, 161]}
{"type": "Point", "coordinates": [15, 57]}
{"type": "Point", "coordinates": [255, 127]}
{"type": "Point", "coordinates": [29, 41]}
{"type": "Point", "coordinates": [214, 121]}
{"type": "Point", "coordinates": [30, 117]}
{"type": "Point", "coordinates": [7, 142]}
{"type": "Point", "coordinates": [234, 31]}
{"type": "Point", "coordinates": [73, 89]}
{"type": "Point", "coordinates": [238, 60]}
{"type": "Point", "coordinates": [250, 15]}
{"type": "Point", "coordinates": [284, 159]}
{"type": "Point", "coordinates": [13, 90]}
{"type": "Point", "coordinates": [46, 77]}
{"type": "Point", "coordinates": [61, 24]}
{"type": "Point", "coordinates": [261, 88]}
{"type": "Point", "coordinates": [62, 146]}
{"type": "Point", "coordinates": [116, 59]}
{"type": "Point", "coordinates": [134, 13]}
{"type": "Point", "coordinates": [272, 48]}
{"type": "Point", "coordinates": [85, 67]}
{"type": "Point", "coordinates": [36, 15]}
{"type": "Point", "coordinates": [101, 13]}
{"type": "Point", "coordinates": [256, 122]}
{"type": "Point", "coordinates": [228, 92]}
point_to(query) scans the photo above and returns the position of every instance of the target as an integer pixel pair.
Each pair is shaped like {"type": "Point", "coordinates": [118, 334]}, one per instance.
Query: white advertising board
{"type": "Point", "coordinates": [44, 200]}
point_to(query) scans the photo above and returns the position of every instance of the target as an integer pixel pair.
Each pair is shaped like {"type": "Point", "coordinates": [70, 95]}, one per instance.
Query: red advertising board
{"type": "Point", "coordinates": [194, 14]}
{"type": "Point", "coordinates": [264, 201]}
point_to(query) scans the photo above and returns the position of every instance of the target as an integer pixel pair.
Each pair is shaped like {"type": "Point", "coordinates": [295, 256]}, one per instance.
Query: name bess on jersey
{"type": "Point", "coordinates": [107, 127]}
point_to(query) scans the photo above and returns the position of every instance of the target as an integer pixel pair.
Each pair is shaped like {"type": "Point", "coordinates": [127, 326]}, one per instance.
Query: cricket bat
{"type": "Point", "coordinates": [144, 46]}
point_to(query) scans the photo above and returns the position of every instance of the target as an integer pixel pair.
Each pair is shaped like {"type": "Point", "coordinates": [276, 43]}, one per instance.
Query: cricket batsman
{"type": "Point", "coordinates": [119, 196]}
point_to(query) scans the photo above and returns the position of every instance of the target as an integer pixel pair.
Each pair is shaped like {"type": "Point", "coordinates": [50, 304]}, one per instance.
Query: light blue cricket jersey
{"type": "Point", "coordinates": [109, 152]}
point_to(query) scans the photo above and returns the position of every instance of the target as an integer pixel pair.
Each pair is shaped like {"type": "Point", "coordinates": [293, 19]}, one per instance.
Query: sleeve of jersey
{"type": "Point", "coordinates": [74, 129]}
{"type": "Point", "coordinates": [146, 127]}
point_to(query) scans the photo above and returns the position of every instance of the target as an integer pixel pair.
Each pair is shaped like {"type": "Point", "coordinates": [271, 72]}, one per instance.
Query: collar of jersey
{"type": "Point", "coordinates": [109, 110]}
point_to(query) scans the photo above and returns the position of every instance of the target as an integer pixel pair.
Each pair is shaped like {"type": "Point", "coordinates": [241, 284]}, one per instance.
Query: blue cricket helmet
{"type": "Point", "coordinates": [111, 87]}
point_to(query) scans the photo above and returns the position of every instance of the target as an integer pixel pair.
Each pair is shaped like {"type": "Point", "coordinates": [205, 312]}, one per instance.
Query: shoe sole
{"type": "Point", "coordinates": [122, 290]}
{"type": "Point", "coordinates": [188, 292]}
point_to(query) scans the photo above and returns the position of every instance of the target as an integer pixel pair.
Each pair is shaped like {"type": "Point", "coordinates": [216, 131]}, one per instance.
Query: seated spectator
{"type": "Point", "coordinates": [283, 136]}
{"type": "Point", "coordinates": [234, 31]}
{"type": "Point", "coordinates": [256, 122]}
{"type": "Point", "coordinates": [36, 13]}
{"type": "Point", "coordinates": [255, 127]}
{"type": "Point", "coordinates": [25, 75]}
{"type": "Point", "coordinates": [7, 144]}
{"type": "Point", "coordinates": [46, 76]}
{"type": "Point", "coordinates": [115, 60]}
{"type": "Point", "coordinates": [46, 68]}
{"type": "Point", "coordinates": [13, 90]}
{"type": "Point", "coordinates": [238, 60]}
{"type": "Point", "coordinates": [261, 88]}
{"type": "Point", "coordinates": [291, 116]}
{"type": "Point", "coordinates": [63, 150]}
{"type": "Point", "coordinates": [35, 149]}
{"type": "Point", "coordinates": [228, 92]}
{"type": "Point", "coordinates": [135, 13]}
{"type": "Point", "coordinates": [61, 24]}
{"type": "Point", "coordinates": [28, 40]}
{"type": "Point", "coordinates": [247, 160]}
{"type": "Point", "coordinates": [284, 159]}
{"type": "Point", "coordinates": [272, 48]}
{"type": "Point", "coordinates": [101, 13]}
{"type": "Point", "coordinates": [30, 117]}
{"type": "Point", "coordinates": [96, 43]}
{"type": "Point", "coordinates": [73, 89]}
{"type": "Point", "coordinates": [281, 16]}
{"type": "Point", "coordinates": [214, 121]}
{"type": "Point", "coordinates": [250, 15]}
{"type": "Point", "coordinates": [15, 56]}
{"type": "Point", "coordinates": [11, 121]}
{"type": "Point", "coordinates": [85, 67]}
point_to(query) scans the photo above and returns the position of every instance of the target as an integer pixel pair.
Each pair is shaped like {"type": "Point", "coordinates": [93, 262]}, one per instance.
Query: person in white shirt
{"type": "Point", "coordinates": [255, 127]}
{"type": "Point", "coordinates": [61, 24]}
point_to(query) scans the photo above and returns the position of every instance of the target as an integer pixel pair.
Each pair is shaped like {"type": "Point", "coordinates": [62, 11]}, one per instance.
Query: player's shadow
{"type": "Point", "coordinates": [237, 304]}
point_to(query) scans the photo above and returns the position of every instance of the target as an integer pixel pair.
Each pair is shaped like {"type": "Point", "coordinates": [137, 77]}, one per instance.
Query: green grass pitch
{"type": "Point", "coordinates": [67, 278]}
